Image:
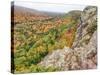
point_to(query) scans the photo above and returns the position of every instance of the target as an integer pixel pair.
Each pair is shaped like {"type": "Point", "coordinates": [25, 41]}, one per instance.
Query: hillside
{"type": "Point", "coordinates": [39, 38]}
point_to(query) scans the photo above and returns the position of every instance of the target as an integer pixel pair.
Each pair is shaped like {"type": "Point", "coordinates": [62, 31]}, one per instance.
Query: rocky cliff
{"type": "Point", "coordinates": [83, 53]}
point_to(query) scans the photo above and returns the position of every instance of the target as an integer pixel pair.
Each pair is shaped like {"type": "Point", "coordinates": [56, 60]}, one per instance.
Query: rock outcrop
{"type": "Point", "coordinates": [74, 59]}
{"type": "Point", "coordinates": [83, 54]}
{"type": "Point", "coordinates": [87, 26]}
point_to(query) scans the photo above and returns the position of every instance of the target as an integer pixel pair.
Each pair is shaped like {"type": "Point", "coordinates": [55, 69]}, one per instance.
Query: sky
{"type": "Point", "coordinates": [62, 8]}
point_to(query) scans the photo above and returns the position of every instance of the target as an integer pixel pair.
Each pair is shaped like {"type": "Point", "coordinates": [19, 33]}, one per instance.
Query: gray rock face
{"type": "Point", "coordinates": [83, 54]}
{"type": "Point", "coordinates": [88, 24]}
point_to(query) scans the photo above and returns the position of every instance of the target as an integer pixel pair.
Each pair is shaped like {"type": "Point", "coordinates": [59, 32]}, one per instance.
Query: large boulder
{"type": "Point", "coordinates": [74, 59]}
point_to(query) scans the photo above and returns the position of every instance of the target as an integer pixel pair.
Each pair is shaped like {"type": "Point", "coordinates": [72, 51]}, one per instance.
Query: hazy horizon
{"type": "Point", "coordinates": [49, 7]}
